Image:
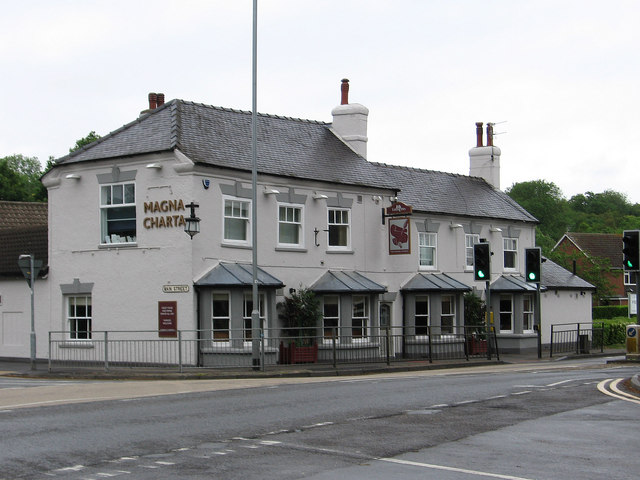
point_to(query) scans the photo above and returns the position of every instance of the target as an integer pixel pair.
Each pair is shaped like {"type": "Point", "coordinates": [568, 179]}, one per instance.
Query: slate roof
{"type": "Point", "coordinates": [512, 283]}
{"type": "Point", "coordinates": [296, 148]}
{"type": "Point", "coordinates": [23, 230]}
{"type": "Point", "coordinates": [345, 282]}
{"type": "Point", "coordinates": [237, 275]}
{"type": "Point", "coordinates": [556, 277]}
{"type": "Point", "coordinates": [440, 282]}
{"type": "Point", "coordinates": [601, 245]}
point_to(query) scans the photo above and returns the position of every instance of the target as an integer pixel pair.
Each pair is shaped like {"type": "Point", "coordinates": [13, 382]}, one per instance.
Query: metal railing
{"type": "Point", "coordinates": [184, 349]}
{"type": "Point", "coordinates": [578, 338]}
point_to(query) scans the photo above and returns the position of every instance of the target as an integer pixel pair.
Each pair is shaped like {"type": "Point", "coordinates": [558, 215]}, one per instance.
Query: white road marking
{"type": "Point", "coordinates": [451, 469]}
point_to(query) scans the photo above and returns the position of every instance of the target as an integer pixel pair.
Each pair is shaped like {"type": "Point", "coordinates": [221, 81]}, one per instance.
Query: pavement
{"type": "Point", "coordinates": [22, 368]}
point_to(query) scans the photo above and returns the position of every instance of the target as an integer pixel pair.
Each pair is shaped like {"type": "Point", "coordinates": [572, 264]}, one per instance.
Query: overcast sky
{"type": "Point", "coordinates": [562, 75]}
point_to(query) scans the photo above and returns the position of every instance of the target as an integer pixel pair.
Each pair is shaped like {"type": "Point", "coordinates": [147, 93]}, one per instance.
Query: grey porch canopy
{"type": "Point", "coordinates": [513, 283]}
{"type": "Point", "coordinates": [346, 282]}
{"type": "Point", "coordinates": [237, 275]}
{"type": "Point", "coordinates": [435, 282]}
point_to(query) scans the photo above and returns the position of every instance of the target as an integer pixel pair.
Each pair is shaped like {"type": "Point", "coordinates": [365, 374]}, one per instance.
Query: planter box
{"type": "Point", "coordinates": [476, 347]}
{"type": "Point", "coordinates": [294, 354]}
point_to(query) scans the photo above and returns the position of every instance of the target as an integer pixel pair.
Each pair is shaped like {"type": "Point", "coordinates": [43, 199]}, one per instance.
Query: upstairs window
{"type": "Point", "coordinates": [289, 226]}
{"type": "Point", "coordinates": [469, 241]}
{"type": "Point", "coordinates": [510, 247]}
{"type": "Point", "coordinates": [236, 221]}
{"type": "Point", "coordinates": [339, 228]}
{"type": "Point", "coordinates": [118, 213]}
{"type": "Point", "coordinates": [427, 249]}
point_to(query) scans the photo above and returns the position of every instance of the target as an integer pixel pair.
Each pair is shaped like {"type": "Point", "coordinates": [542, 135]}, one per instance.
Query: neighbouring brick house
{"type": "Point", "coordinates": [605, 246]}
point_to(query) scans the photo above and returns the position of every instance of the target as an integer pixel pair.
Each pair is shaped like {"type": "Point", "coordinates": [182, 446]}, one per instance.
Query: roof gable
{"type": "Point", "coordinates": [600, 245]}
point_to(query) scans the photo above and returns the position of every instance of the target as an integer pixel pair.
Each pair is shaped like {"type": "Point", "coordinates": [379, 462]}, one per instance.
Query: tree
{"type": "Point", "coordinates": [544, 200]}
{"type": "Point", "coordinates": [90, 138]}
{"type": "Point", "coordinates": [20, 179]}
{"type": "Point", "coordinates": [592, 269]}
{"type": "Point", "coordinates": [301, 315]}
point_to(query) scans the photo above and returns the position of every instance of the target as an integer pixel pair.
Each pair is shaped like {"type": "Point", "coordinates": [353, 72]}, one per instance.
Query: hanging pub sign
{"type": "Point", "coordinates": [168, 319]}
{"type": "Point", "coordinates": [399, 236]}
{"type": "Point", "coordinates": [399, 227]}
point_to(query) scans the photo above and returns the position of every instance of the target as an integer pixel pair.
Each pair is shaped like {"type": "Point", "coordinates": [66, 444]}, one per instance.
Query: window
{"type": "Point", "coordinates": [339, 228]}
{"type": "Point", "coordinates": [236, 221]}
{"type": "Point", "coordinates": [629, 278]}
{"type": "Point", "coordinates": [527, 313]}
{"type": "Point", "coordinates": [220, 317]}
{"type": "Point", "coordinates": [330, 316]}
{"type": "Point", "coordinates": [360, 317]}
{"type": "Point", "coordinates": [506, 313]}
{"type": "Point", "coordinates": [289, 225]}
{"type": "Point", "coordinates": [448, 314]}
{"type": "Point", "coordinates": [118, 213]}
{"type": "Point", "coordinates": [248, 308]}
{"type": "Point", "coordinates": [422, 315]}
{"type": "Point", "coordinates": [427, 243]}
{"type": "Point", "coordinates": [510, 247]}
{"type": "Point", "coordinates": [79, 317]}
{"type": "Point", "coordinates": [469, 241]}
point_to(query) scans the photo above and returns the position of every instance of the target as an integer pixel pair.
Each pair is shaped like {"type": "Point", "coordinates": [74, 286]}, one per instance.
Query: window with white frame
{"type": "Point", "coordinates": [506, 313]}
{"type": "Point", "coordinates": [447, 314]}
{"type": "Point", "coordinates": [360, 317]}
{"type": "Point", "coordinates": [422, 315]}
{"type": "Point", "coordinates": [79, 317]}
{"type": "Point", "coordinates": [339, 226]}
{"type": "Point", "coordinates": [510, 247]}
{"type": "Point", "coordinates": [630, 278]}
{"type": "Point", "coordinates": [330, 316]}
{"type": "Point", "coordinates": [527, 313]}
{"type": "Point", "coordinates": [248, 308]}
{"type": "Point", "coordinates": [290, 225]}
{"type": "Point", "coordinates": [427, 246]}
{"type": "Point", "coordinates": [118, 213]}
{"type": "Point", "coordinates": [470, 240]}
{"type": "Point", "coordinates": [220, 317]}
{"type": "Point", "coordinates": [236, 221]}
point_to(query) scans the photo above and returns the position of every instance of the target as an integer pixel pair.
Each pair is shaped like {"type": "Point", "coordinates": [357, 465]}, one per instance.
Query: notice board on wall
{"type": "Point", "coordinates": [168, 319]}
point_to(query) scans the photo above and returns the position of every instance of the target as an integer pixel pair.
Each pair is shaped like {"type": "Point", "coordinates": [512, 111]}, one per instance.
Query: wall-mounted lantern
{"type": "Point", "coordinates": [192, 223]}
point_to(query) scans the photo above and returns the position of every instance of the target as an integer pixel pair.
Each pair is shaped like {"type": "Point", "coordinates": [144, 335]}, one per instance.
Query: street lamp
{"type": "Point", "coordinates": [30, 268]}
{"type": "Point", "coordinates": [192, 223]}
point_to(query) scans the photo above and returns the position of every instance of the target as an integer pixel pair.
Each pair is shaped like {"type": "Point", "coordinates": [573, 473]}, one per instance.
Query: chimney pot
{"type": "Point", "coordinates": [479, 134]}
{"type": "Point", "coordinates": [153, 101]}
{"type": "Point", "coordinates": [160, 99]}
{"type": "Point", "coordinates": [489, 134]}
{"type": "Point", "coordinates": [344, 88]}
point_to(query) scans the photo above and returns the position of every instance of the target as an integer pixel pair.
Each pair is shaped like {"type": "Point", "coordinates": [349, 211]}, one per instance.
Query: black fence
{"type": "Point", "coordinates": [578, 338]}
{"type": "Point", "coordinates": [235, 348]}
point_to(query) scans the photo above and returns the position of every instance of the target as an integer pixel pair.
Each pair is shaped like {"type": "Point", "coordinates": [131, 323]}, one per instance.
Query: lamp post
{"type": "Point", "coordinates": [30, 268]}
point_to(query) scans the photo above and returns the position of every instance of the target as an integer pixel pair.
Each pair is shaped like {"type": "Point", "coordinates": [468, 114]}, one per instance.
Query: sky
{"type": "Point", "coordinates": [559, 78]}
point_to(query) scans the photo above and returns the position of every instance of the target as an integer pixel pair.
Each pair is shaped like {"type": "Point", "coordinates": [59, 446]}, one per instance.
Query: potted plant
{"type": "Point", "coordinates": [300, 315]}
{"type": "Point", "coordinates": [474, 322]}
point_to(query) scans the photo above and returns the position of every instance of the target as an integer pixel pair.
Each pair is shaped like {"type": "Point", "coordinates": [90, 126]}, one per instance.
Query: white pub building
{"type": "Point", "coordinates": [119, 259]}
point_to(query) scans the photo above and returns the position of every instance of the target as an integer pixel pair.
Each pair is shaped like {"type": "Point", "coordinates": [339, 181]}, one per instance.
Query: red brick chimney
{"type": "Point", "coordinates": [344, 89]}
{"type": "Point", "coordinates": [479, 134]}
{"type": "Point", "coordinates": [160, 99]}
{"type": "Point", "coordinates": [153, 101]}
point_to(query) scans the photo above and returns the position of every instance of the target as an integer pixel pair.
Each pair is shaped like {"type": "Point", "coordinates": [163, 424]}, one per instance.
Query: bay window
{"type": "Point", "coordinates": [220, 317]}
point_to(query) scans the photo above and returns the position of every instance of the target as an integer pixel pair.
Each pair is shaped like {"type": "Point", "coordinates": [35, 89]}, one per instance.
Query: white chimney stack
{"type": "Point", "coordinates": [484, 161]}
{"type": "Point", "coordinates": [350, 121]}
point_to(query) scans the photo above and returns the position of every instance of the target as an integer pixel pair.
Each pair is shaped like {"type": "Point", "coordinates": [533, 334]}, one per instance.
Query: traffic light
{"type": "Point", "coordinates": [532, 261]}
{"type": "Point", "coordinates": [630, 247]}
{"type": "Point", "coordinates": [481, 262]}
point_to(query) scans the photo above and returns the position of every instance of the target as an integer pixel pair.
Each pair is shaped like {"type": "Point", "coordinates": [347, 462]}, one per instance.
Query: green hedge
{"type": "Point", "coordinates": [615, 331]}
{"type": "Point", "coordinates": [609, 311]}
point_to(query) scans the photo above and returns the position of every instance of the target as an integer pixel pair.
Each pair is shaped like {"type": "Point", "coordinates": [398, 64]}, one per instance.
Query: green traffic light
{"type": "Point", "coordinates": [480, 274]}
{"type": "Point", "coordinates": [532, 276]}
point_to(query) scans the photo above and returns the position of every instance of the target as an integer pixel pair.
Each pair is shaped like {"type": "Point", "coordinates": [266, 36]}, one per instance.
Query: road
{"type": "Point", "coordinates": [545, 421]}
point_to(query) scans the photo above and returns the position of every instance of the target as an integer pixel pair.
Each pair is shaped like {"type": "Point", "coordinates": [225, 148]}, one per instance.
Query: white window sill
{"type": "Point", "coordinates": [340, 250]}
{"type": "Point", "coordinates": [291, 248]}
{"type": "Point", "coordinates": [109, 246]}
{"type": "Point", "coordinates": [245, 246]}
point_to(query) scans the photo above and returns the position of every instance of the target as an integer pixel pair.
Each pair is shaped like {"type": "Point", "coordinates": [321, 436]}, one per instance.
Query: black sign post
{"type": "Point", "coordinates": [30, 268]}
